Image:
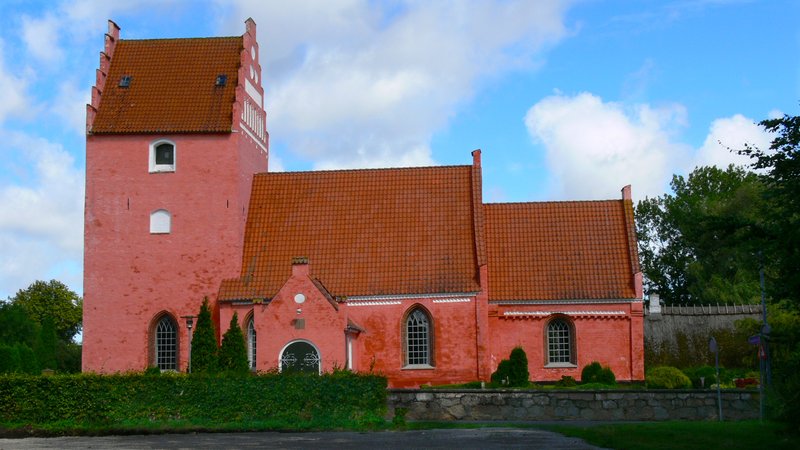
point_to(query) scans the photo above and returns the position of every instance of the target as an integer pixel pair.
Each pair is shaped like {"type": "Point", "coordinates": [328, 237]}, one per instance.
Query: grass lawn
{"type": "Point", "coordinates": [684, 435]}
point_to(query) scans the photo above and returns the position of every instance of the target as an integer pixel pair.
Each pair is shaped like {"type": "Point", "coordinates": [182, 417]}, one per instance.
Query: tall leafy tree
{"type": "Point", "coordinates": [233, 353]}
{"type": "Point", "coordinates": [781, 166]}
{"type": "Point", "coordinates": [54, 299]}
{"type": "Point", "coordinates": [16, 325]}
{"type": "Point", "coordinates": [204, 342]}
{"type": "Point", "coordinates": [700, 244]}
{"type": "Point", "coordinates": [46, 345]}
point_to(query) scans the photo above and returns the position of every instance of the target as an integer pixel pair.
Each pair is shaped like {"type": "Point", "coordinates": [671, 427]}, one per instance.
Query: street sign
{"type": "Point", "coordinates": [754, 339]}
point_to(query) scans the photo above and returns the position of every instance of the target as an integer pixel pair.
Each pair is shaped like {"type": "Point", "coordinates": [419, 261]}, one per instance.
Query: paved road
{"type": "Point", "coordinates": [479, 438]}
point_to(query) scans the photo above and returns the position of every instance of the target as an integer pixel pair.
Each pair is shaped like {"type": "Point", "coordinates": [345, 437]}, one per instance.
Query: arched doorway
{"type": "Point", "coordinates": [300, 356]}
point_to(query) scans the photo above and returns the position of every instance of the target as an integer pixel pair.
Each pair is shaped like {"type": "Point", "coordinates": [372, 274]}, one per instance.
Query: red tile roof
{"type": "Point", "coordinates": [561, 250]}
{"type": "Point", "coordinates": [365, 232]}
{"type": "Point", "coordinates": [172, 86]}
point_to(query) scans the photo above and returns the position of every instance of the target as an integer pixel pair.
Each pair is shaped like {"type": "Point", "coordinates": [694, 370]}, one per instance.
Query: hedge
{"type": "Point", "coordinates": [339, 399]}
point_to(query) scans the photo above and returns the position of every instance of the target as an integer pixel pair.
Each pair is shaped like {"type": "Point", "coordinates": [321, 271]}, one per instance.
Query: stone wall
{"type": "Point", "coordinates": [489, 405]}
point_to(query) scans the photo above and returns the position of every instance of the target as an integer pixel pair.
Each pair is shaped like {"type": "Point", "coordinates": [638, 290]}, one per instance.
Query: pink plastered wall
{"type": "Point", "coordinates": [131, 275]}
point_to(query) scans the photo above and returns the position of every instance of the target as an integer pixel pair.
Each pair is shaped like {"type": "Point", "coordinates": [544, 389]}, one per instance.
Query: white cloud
{"type": "Point", "coordinates": [730, 133]}
{"type": "Point", "coordinates": [41, 38]}
{"type": "Point", "coordinates": [355, 83]}
{"type": "Point", "coordinates": [15, 101]}
{"type": "Point", "coordinates": [69, 105]}
{"type": "Point", "coordinates": [41, 222]}
{"type": "Point", "coordinates": [593, 148]}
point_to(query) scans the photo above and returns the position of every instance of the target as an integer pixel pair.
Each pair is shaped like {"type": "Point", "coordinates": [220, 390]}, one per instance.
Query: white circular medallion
{"type": "Point", "coordinates": [299, 298]}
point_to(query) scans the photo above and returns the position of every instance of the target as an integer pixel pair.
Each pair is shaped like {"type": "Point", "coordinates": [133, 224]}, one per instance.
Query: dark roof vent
{"type": "Point", "coordinates": [125, 81]}
{"type": "Point", "coordinates": [221, 80]}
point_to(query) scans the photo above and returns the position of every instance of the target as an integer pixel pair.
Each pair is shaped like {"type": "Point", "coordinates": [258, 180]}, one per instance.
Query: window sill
{"type": "Point", "coordinates": [418, 367]}
{"type": "Point", "coordinates": [560, 366]}
{"type": "Point", "coordinates": [165, 169]}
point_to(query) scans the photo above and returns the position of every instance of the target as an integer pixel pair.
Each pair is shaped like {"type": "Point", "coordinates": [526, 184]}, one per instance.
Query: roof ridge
{"type": "Point", "coordinates": [206, 38]}
{"type": "Point", "coordinates": [610, 200]}
{"type": "Point", "coordinates": [366, 169]}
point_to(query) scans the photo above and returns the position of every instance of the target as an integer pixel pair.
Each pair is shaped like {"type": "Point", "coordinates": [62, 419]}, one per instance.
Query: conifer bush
{"type": "Point", "coordinates": [513, 372]}
{"type": "Point", "coordinates": [233, 353]}
{"type": "Point", "coordinates": [204, 342]}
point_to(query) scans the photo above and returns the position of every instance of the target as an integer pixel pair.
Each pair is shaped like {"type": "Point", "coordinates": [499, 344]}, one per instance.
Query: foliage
{"type": "Point", "coordinates": [666, 377]}
{"type": "Point", "coordinates": [512, 372]}
{"type": "Point", "coordinates": [297, 401]}
{"type": "Point", "coordinates": [701, 377]}
{"type": "Point", "coordinates": [781, 162]}
{"type": "Point", "coordinates": [204, 342]}
{"type": "Point", "coordinates": [518, 370]}
{"type": "Point", "coordinates": [46, 345]}
{"type": "Point", "coordinates": [596, 373]}
{"type": "Point", "coordinates": [699, 245]}
{"type": "Point", "coordinates": [16, 325]}
{"type": "Point", "coordinates": [501, 376]}
{"type": "Point", "coordinates": [233, 353]}
{"type": "Point", "coordinates": [54, 299]}
{"type": "Point", "coordinates": [566, 381]}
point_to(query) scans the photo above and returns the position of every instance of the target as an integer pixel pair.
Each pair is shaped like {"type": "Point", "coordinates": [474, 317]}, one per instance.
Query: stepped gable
{"type": "Point", "coordinates": [561, 250]}
{"type": "Point", "coordinates": [172, 86]}
{"type": "Point", "coordinates": [364, 232]}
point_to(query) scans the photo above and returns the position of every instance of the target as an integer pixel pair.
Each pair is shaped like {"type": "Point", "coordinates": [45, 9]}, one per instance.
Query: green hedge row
{"type": "Point", "coordinates": [336, 399]}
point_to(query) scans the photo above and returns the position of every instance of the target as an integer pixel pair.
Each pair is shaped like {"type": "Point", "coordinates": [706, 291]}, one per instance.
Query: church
{"type": "Point", "coordinates": [399, 271]}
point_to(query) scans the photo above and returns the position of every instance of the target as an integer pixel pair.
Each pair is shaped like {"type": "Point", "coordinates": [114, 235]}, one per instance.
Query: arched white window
{"type": "Point", "coordinates": [560, 342]}
{"type": "Point", "coordinates": [162, 156]}
{"type": "Point", "coordinates": [251, 343]}
{"type": "Point", "coordinates": [165, 342]}
{"type": "Point", "coordinates": [160, 222]}
{"type": "Point", "coordinates": [418, 339]}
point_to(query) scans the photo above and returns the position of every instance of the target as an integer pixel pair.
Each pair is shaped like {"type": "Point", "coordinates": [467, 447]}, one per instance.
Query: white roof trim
{"type": "Point", "coordinates": [565, 302]}
{"type": "Point", "coordinates": [358, 298]}
{"type": "Point", "coordinates": [567, 313]}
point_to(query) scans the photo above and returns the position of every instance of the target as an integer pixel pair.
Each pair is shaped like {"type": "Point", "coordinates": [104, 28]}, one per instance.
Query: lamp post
{"type": "Point", "coordinates": [189, 324]}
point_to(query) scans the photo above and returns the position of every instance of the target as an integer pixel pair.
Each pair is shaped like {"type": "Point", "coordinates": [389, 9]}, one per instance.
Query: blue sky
{"type": "Point", "coordinates": [567, 99]}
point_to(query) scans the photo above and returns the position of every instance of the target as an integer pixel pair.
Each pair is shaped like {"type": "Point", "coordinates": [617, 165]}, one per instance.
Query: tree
{"type": "Point", "coordinates": [781, 163]}
{"type": "Point", "coordinates": [204, 342]}
{"type": "Point", "coordinates": [700, 244]}
{"type": "Point", "coordinates": [16, 325]}
{"type": "Point", "coordinates": [233, 353]}
{"type": "Point", "coordinates": [56, 300]}
{"type": "Point", "coordinates": [46, 348]}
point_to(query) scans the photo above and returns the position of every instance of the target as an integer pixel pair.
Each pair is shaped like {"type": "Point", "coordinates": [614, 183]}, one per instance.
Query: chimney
{"type": "Point", "coordinates": [476, 158]}
{"type": "Point", "coordinates": [626, 192]}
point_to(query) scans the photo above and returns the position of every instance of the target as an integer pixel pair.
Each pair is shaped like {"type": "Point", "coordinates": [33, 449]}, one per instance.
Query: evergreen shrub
{"type": "Point", "coordinates": [233, 353]}
{"type": "Point", "coordinates": [204, 342]}
{"type": "Point", "coordinates": [512, 372]}
{"type": "Point", "coordinates": [597, 373]}
{"type": "Point", "coordinates": [666, 377]}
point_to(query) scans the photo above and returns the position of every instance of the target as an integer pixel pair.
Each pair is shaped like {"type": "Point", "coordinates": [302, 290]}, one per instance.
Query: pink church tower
{"type": "Point", "coordinates": [175, 131]}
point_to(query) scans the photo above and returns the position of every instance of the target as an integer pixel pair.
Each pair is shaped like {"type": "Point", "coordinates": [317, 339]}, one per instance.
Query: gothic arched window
{"type": "Point", "coordinates": [418, 338]}
{"type": "Point", "coordinates": [165, 342]}
{"type": "Point", "coordinates": [560, 342]}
